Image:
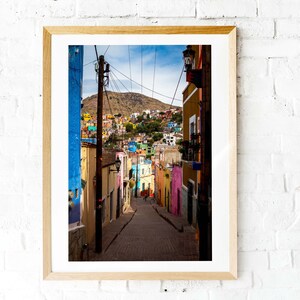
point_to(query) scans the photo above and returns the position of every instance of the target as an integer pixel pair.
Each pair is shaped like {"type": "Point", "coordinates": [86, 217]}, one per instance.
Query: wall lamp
{"type": "Point", "coordinates": [188, 57]}
{"type": "Point", "coordinates": [117, 164]}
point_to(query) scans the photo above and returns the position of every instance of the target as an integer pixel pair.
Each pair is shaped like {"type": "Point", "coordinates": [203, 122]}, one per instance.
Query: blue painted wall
{"type": "Point", "coordinates": [137, 184]}
{"type": "Point", "coordinates": [132, 146]}
{"type": "Point", "coordinates": [89, 140]}
{"type": "Point", "coordinates": [75, 87]}
{"type": "Point", "coordinates": [134, 167]}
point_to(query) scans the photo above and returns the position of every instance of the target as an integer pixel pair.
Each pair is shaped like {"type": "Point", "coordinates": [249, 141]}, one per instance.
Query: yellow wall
{"type": "Point", "coordinates": [88, 169]}
{"type": "Point", "coordinates": [160, 184]}
{"type": "Point", "coordinates": [146, 177]}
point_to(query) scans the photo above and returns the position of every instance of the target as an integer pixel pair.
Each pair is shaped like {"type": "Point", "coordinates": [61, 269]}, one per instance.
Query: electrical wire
{"type": "Point", "coordinates": [113, 85]}
{"type": "Point", "coordinates": [146, 88]}
{"type": "Point", "coordinates": [115, 76]}
{"type": "Point", "coordinates": [154, 70]}
{"type": "Point", "coordinates": [119, 91]}
{"type": "Point", "coordinates": [93, 61]}
{"type": "Point", "coordinates": [131, 80]}
{"type": "Point", "coordinates": [129, 60]}
{"type": "Point", "coordinates": [96, 52]}
{"type": "Point", "coordinates": [106, 50]}
{"type": "Point", "coordinates": [112, 72]}
{"type": "Point", "coordinates": [108, 101]}
{"type": "Point", "coordinates": [177, 87]}
{"type": "Point", "coordinates": [141, 69]}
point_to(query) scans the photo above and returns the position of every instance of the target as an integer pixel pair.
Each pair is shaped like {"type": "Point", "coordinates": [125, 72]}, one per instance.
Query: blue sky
{"type": "Point", "coordinates": [168, 67]}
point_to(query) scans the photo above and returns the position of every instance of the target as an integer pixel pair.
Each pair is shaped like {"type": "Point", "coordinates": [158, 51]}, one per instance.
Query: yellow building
{"type": "Point", "coordinates": [167, 186]}
{"type": "Point", "coordinates": [110, 117]}
{"type": "Point", "coordinates": [146, 179]}
{"type": "Point", "coordinates": [109, 190]}
{"type": "Point", "coordinates": [86, 117]}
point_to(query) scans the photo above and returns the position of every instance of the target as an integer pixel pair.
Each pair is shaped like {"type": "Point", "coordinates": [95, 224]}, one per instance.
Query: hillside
{"type": "Point", "coordinates": [123, 103]}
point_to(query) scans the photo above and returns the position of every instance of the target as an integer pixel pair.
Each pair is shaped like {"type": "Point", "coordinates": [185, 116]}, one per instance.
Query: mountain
{"type": "Point", "coordinates": [123, 103]}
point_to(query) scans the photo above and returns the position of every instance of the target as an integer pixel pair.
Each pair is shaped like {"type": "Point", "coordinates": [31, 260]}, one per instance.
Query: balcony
{"type": "Point", "coordinates": [190, 152]}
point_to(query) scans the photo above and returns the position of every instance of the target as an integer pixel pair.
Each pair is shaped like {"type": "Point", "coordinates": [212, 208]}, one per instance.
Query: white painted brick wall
{"type": "Point", "coordinates": [219, 8]}
{"type": "Point", "coordinates": [268, 145]}
{"type": "Point", "coordinates": [280, 260]}
{"type": "Point", "coordinates": [155, 8]}
{"type": "Point", "coordinates": [278, 8]}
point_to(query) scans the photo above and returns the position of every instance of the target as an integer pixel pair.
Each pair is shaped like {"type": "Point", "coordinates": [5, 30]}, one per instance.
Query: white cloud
{"type": "Point", "coordinates": [168, 68]}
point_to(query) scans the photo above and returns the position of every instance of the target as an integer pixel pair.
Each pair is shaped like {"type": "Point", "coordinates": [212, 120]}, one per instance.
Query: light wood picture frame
{"type": "Point", "coordinates": [221, 37]}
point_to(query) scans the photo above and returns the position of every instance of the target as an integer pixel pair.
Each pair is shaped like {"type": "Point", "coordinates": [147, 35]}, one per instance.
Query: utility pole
{"type": "Point", "coordinates": [98, 222]}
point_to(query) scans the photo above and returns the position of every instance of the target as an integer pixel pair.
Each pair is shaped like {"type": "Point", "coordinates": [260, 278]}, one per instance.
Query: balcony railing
{"type": "Point", "coordinates": [190, 150]}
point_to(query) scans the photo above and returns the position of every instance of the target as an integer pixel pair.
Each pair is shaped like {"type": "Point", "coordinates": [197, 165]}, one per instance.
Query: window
{"type": "Point", "coordinates": [192, 127]}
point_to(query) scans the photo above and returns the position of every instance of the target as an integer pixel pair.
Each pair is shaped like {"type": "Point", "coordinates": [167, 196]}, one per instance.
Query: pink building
{"type": "Point", "coordinates": [176, 184]}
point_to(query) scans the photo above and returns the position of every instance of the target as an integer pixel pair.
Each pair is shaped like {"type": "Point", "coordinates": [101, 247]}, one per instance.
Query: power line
{"type": "Point", "coordinates": [93, 61]}
{"type": "Point", "coordinates": [97, 61]}
{"type": "Point", "coordinates": [115, 76]}
{"type": "Point", "coordinates": [131, 80]}
{"type": "Point", "coordinates": [177, 86]}
{"type": "Point", "coordinates": [96, 52]}
{"type": "Point", "coordinates": [108, 101]}
{"type": "Point", "coordinates": [111, 112]}
{"type": "Point", "coordinates": [106, 50]}
{"type": "Point", "coordinates": [146, 88]}
{"type": "Point", "coordinates": [129, 59]}
{"type": "Point", "coordinates": [113, 84]}
{"type": "Point", "coordinates": [141, 69]}
{"type": "Point", "coordinates": [154, 71]}
{"type": "Point", "coordinates": [118, 89]}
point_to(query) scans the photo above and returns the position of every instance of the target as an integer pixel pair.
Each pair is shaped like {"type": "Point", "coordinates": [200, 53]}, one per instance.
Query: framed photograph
{"type": "Point", "coordinates": [139, 135]}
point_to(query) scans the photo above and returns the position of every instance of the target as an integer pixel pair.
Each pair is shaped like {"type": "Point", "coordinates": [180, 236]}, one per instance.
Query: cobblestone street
{"type": "Point", "coordinates": [149, 237]}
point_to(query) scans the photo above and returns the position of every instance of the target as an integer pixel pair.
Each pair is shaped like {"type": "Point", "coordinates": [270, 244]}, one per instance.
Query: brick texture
{"type": "Point", "coordinates": [268, 73]}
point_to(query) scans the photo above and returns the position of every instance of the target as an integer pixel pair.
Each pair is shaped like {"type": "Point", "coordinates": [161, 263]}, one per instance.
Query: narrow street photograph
{"type": "Point", "coordinates": [140, 153]}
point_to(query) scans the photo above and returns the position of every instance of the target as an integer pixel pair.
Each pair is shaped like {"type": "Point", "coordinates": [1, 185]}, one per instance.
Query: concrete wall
{"type": "Point", "coordinates": [268, 145]}
{"type": "Point", "coordinates": [77, 239]}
